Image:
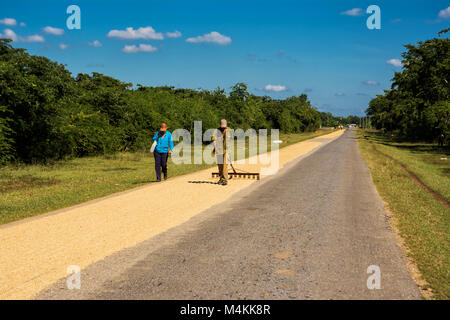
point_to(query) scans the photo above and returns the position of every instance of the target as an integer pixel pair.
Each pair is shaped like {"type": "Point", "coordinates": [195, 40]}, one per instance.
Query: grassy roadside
{"type": "Point", "coordinates": [29, 190]}
{"type": "Point", "coordinates": [421, 220]}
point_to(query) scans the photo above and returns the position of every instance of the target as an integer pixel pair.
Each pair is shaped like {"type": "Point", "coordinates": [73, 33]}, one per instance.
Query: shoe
{"type": "Point", "coordinates": [158, 180]}
{"type": "Point", "coordinates": [165, 177]}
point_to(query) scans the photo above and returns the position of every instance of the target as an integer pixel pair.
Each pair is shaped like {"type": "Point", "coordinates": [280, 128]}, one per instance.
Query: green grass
{"type": "Point", "coordinates": [29, 190]}
{"type": "Point", "coordinates": [422, 221]}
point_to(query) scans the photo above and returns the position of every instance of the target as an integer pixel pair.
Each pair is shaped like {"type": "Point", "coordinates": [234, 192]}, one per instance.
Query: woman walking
{"type": "Point", "coordinates": [163, 148]}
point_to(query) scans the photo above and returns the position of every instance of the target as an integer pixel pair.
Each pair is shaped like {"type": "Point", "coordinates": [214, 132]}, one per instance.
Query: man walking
{"type": "Point", "coordinates": [221, 139]}
{"type": "Point", "coordinates": [163, 148]}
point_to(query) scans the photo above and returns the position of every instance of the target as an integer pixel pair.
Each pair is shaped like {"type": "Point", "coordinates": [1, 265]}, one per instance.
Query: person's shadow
{"type": "Point", "coordinates": [145, 181]}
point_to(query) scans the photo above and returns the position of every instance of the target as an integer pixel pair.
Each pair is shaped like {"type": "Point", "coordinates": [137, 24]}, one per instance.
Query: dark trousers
{"type": "Point", "coordinates": [222, 166]}
{"type": "Point", "coordinates": [160, 162]}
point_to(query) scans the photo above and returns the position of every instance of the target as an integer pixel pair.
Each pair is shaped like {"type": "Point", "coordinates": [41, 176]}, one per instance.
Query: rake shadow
{"type": "Point", "coordinates": [207, 182]}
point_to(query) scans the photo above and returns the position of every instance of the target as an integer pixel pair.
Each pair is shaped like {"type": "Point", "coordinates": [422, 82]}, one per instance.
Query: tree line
{"type": "Point", "coordinates": [417, 107]}
{"type": "Point", "coordinates": [46, 113]}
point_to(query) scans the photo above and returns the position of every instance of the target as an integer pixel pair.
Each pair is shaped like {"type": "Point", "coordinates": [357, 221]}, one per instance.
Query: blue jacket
{"type": "Point", "coordinates": [163, 143]}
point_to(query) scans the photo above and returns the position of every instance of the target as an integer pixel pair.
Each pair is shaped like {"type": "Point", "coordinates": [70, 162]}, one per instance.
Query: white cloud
{"type": "Point", "coordinates": [395, 62]}
{"type": "Point", "coordinates": [353, 12]}
{"type": "Point", "coordinates": [9, 34]}
{"type": "Point", "coordinates": [95, 43]}
{"type": "Point", "coordinates": [33, 38]}
{"type": "Point", "coordinates": [340, 94]}
{"type": "Point", "coordinates": [141, 33]}
{"type": "Point", "coordinates": [275, 88]}
{"type": "Point", "coordinates": [53, 31]}
{"type": "Point", "coordinates": [213, 37]}
{"type": "Point", "coordinates": [444, 13]}
{"type": "Point", "coordinates": [140, 48]}
{"type": "Point", "coordinates": [175, 34]}
{"type": "Point", "coordinates": [8, 21]}
{"type": "Point", "coordinates": [23, 24]}
{"type": "Point", "coordinates": [371, 83]}
{"type": "Point", "coordinates": [63, 46]}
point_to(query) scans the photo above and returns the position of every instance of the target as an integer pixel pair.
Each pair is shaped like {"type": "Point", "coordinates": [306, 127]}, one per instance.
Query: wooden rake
{"type": "Point", "coordinates": [239, 175]}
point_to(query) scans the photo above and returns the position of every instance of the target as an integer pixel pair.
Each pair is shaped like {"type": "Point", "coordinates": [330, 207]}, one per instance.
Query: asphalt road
{"type": "Point", "coordinates": [310, 232]}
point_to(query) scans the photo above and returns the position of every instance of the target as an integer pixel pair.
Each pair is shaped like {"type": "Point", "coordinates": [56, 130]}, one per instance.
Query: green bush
{"type": "Point", "coordinates": [418, 104]}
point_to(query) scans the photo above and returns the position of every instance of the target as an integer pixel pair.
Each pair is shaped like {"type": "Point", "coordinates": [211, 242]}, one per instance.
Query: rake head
{"type": "Point", "coordinates": [240, 175]}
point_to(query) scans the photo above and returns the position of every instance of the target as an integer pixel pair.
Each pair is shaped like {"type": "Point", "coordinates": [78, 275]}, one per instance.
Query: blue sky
{"type": "Point", "coordinates": [279, 48]}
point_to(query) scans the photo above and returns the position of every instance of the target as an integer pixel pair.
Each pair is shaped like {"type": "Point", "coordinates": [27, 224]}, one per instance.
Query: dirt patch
{"type": "Point", "coordinates": [416, 179]}
{"type": "Point", "coordinates": [283, 255]}
{"type": "Point", "coordinates": [27, 182]}
{"type": "Point", "coordinates": [285, 272]}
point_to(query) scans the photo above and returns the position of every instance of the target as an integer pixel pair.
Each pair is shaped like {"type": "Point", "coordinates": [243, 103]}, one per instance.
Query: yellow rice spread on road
{"type": "Point", "coordinates": [36, 252]}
